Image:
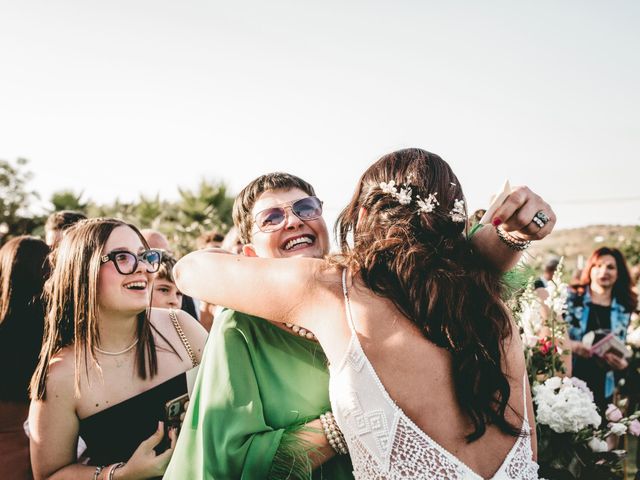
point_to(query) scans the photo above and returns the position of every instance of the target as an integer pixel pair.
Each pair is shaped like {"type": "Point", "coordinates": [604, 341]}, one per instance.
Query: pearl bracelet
{"type": "Point", "coordinates": [333, 433]}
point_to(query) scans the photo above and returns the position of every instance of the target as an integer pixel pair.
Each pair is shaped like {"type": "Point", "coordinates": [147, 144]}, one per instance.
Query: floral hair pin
{"type": "Point", "coordinates": [403, 195]}
{"type": "Point", "coordinates": [428, 204]}
{"type": "Point", "coordinates": [458, 213]}
{"type": "Point", "coordinates": [389, 188]}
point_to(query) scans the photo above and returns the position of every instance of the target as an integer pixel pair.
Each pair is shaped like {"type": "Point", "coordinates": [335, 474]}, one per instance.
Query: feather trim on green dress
{"type": "Point", "coordinates": [291, 460]}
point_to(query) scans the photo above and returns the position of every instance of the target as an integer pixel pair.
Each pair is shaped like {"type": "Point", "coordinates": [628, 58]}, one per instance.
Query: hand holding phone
{"type": "Point", "coordinates": [175, 410]}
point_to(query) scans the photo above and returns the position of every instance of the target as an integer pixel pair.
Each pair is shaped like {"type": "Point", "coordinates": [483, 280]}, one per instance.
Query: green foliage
{"type": "Point", "coordinates": [630, 247]}
{"type": "Point", "coordinates": [182, 221]}
{"type": "Point", "coordinates": [15, 198]}
{"type": "Point", "coordinates": [68, 200]}
{"type": "Point", "coordinates": [208, 208]}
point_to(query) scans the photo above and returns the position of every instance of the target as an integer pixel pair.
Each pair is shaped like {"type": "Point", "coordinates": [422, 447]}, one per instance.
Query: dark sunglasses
{"type": "Point", "coordinates": [127, 262]}
{"type": "Point", "coordinates": [273, 219]}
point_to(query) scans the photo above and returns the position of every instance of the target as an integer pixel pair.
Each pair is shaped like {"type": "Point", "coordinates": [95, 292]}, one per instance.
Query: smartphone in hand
{"type": "Point", "coordinates": [174, 411]}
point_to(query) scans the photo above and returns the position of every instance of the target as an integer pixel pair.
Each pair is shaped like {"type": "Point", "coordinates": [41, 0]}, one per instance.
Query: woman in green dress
{"type": "Point", "coordinates": [262, 386]}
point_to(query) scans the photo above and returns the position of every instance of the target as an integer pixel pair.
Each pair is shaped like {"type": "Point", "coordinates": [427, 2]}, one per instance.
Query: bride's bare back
{"type": "Point", "coordinates": [418, 375]}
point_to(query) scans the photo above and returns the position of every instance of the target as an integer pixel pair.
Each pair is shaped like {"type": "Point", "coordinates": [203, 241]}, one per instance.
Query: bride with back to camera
{"type": "Point", "coordinates": [427, 369]}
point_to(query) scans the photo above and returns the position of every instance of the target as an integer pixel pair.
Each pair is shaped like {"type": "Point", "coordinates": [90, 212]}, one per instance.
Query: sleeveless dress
{"type": "Point", "coordinates": [385, 444]}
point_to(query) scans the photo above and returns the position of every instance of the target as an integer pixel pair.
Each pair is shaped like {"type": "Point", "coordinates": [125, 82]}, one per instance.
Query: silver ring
{"type": "Point", "coordinates": [540, 219]}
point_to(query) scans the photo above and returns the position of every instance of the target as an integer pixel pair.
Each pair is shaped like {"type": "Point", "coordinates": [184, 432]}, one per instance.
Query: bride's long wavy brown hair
{"type": "Point", "coordinates": [425, 265]}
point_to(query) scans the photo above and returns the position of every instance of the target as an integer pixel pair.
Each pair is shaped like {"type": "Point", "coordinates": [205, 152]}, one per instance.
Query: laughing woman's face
{"type": "Point", "coordinates": [124, 293]}
{"type": "Point", "coordinates": [296, 238]}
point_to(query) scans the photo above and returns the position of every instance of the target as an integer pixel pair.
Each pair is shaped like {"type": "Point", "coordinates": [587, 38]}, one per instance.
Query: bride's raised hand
{"type": "Point", "coordinates": [525, 214]}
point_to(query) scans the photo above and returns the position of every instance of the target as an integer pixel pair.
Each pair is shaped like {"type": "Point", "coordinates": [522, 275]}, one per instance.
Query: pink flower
{"type": "Point", "coordinates": [634, 428]}
{"type": "Point", "coordinates": [613, 413]}
{"type": "Point", "coordinates": [545, 346]}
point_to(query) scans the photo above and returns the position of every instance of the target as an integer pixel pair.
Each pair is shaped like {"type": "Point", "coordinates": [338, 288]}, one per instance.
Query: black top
{"type": "Point", "coordinates": [593, 370]}
{"type": "Point", "coordinates": [113, 434]}
{"type": "Point", "coordinates": [599, 318]}
{"type": "Point", "coordinates": [539, 283]}
{"type": "Point", "coordinates": [20, 341]}
{"type": "Point", "coordinates": [189, 306]}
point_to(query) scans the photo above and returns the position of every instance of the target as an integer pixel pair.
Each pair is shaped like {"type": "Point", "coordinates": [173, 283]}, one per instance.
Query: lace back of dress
{"type": "Point", "coordinates": [384, 443]}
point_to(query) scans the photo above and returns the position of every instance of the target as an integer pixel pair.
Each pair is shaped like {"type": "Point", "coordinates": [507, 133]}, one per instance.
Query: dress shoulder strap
{"type": "Point", "coordinates": [347, 303]}
{"type": "Point", "coordinates": [525, 382]}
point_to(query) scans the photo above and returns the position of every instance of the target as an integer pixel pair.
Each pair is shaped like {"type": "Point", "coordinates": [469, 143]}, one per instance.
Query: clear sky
{"type": "Point", "coordinates": [119, 97]}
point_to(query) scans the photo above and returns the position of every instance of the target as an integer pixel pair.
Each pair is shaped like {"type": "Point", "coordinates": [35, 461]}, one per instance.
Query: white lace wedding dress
{"type": "Point", "coordinates": [385, 444]}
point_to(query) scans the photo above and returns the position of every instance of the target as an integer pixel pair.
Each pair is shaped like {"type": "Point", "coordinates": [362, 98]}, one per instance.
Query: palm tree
{"type": "Point", "coordinates": [68, 200]}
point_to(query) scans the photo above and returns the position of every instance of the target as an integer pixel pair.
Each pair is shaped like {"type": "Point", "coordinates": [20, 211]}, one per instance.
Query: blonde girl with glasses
{"type": "Point", "coordinates": [110, 365]}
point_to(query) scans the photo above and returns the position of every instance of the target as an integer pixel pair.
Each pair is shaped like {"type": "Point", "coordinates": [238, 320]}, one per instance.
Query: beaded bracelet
{"type": "Point", "coordinates": [333, 433]}
{"type": "Point", "coordinates": [510, 241]}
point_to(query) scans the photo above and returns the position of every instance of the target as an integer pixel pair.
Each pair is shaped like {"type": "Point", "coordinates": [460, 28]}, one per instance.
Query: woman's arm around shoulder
{"type": "Point", "coordinates": [256, 285]}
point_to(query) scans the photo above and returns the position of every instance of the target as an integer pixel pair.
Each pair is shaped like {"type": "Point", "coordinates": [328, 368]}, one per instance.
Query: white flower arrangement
{"type": "Point", "coordinates": [617, 428]}
{"type": "Point", "coordinates": [598, 445]}
{"type": "Point", "coordinates": [543, 327]}
{"type": "Point", "coordinates": [571, 435]}
{"type": "Point", "coordinates": [564, 406]}
{"type": "Point", "coordinates": [558, 293]}
{"type": "Point", "coordinates": [530, 317]}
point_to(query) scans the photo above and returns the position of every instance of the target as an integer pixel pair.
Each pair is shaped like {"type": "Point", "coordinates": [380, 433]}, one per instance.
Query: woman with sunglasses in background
{"type": "Point", "coordinates": [109, 364]}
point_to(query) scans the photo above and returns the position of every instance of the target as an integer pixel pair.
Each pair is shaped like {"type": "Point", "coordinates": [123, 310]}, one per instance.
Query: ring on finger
{"type": "Point", "coordinates": [540, 219]}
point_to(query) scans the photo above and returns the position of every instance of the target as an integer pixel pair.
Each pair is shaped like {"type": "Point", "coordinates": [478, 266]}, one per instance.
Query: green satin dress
{"type": "Point", "coordinates": [256, 387]}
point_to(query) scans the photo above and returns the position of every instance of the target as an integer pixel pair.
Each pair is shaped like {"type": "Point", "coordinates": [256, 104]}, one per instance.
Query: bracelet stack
{"type": "Point", "coordinates": [333, 433]}
{"type": "Point", "coordinates": [510, 241]}
{"type": "Point", "coordinates": [110, 470]}
{"type": "Point", "coordinates": [97, 473]}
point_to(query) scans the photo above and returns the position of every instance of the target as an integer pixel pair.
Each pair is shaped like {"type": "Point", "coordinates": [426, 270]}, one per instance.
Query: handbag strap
{"type": "Point", "coordinates": [183, 337]}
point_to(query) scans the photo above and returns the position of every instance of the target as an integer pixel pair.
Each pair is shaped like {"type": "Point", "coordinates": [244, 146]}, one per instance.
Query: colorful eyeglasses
{"type": "Point", "coordinates": [127, 262]}
{"type": "Point", "coordinates": [273, 219]}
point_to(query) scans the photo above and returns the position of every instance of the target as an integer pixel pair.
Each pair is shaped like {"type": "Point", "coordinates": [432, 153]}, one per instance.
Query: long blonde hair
{"type": "Point", "coordinates": [72, 299]}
